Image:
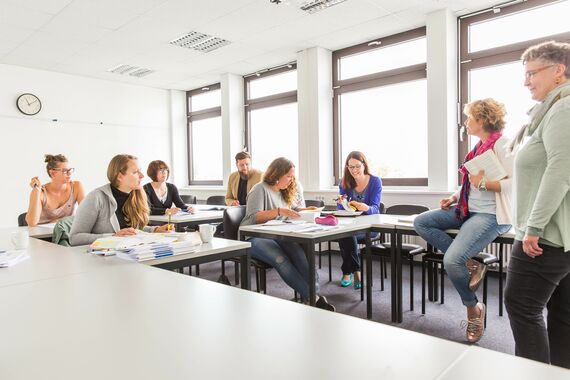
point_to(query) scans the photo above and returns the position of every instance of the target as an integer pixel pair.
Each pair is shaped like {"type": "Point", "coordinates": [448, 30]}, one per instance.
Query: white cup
{"type": "Point", "coordinates": [309, 216]}
{"type": "Point", "coordinates": [206, 232]}
{"type": "Point", "coordinates": [20, 239]}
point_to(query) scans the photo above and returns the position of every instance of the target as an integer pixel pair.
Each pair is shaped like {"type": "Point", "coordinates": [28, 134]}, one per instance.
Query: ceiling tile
{"type": "Point", "coordinates": [18, 15]}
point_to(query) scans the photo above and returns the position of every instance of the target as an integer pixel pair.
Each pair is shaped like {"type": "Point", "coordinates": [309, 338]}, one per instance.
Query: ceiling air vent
{"type": "Point", "coordinates": [133, 71]}
{"type": "Point", "coordinates": [199, 41]}
{"type": "Point", "coordinates": [319, 5]}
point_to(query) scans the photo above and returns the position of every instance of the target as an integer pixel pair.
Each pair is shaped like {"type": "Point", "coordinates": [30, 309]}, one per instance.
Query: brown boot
{"type": "Point", "coordinates": [476, 326]}
{"type": "Point", "coordinates": [476, 273]}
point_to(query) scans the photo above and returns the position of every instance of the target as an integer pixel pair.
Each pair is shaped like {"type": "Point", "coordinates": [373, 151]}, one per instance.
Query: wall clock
{"type": "Point", "coordinates": [29, 104]}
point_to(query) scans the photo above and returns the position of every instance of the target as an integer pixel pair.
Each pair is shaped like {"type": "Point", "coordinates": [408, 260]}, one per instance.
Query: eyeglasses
{"type": "Point", "coordinates": [531, 73]}
{"type": "Point", "coordinates": [355, 167]}
{"type": "Point", "coordinates": [163, 171]}
{"type": "Point", "coordinates": [65, 171]}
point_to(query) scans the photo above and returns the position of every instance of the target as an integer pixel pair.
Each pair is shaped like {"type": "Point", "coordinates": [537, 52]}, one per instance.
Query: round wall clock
{"type": "Point", "coordinates": [29, 104]}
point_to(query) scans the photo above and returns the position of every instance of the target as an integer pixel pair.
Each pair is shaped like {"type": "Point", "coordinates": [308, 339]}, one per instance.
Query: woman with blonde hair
{"type": "Point", "coordinates": [118, 208]}
{"type": "Point", "coordinates": [539, 268]}
{"type": "Point", "coordinates": [56, 199]}
{"type": "Point", "coordinates": [481, 214]}
{"type": "Point", "coordinates": [276, 197]}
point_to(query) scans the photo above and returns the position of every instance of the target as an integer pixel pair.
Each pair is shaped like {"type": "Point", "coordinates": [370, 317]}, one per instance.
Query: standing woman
{"type": "Point", "coordinates": [539, 269]}
{"type": "Point", "coordinates": [362, 190]}
{"type": "Point", "coordinates": [275, 198]}
{"type": "Point", "coordinates": [162, 196]}
{"type": "Point", "coordinates": [118, 208]}
{"type": "Point", "coordinates": [56, 199]}
{"type": "Point", "coordinates": [481, 214]}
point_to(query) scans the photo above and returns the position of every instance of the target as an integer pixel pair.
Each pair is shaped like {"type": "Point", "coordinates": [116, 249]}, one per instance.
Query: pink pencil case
{"type": "Point", "coordinates": [327, 220]}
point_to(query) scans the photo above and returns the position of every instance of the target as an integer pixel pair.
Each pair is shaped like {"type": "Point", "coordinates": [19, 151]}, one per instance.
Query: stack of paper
{"type": "Point", "coordinates": [156, 250]}
{"type": "Point", "coordinates": [11, 258]}
{"type": "Point", "coordinates": [112, 244]}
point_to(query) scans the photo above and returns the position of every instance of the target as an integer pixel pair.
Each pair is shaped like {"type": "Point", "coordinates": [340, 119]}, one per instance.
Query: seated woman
{"type": "Point", "coordinates": [481, 214]}
{"type": "Point", "coordinates": [56, 199]}
{"type": "Point", "coordinates": [362, 191]}
{"type": "Point", "coordinates": [118, 208]}
{"type": "Point", "coordinates": [162, 195]}
{"type": "Point", "coordinates": [272, 198]}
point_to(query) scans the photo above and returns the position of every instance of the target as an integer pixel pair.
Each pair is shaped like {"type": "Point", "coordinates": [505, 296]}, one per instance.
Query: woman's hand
{"type": "Point", "coordinates": [235, 202]}
{"type": "Point", "coordinates": [35, 183]}
{"type": "Point", "coordinates": [476, 179]}
{"type": "Point", "coordinates": [289, 213]}
{"type": "Point", "coordinates": [341, 199]}
{"type": "Point", "coordinates": [190, 210]}
{"type": "Point", "coordinates": [446, 202]}
{"type": "Point", "coordinates": [164, 228]}
{"type": "Point", "coordinates": [530, 246]}
{"type": "Point", "coordinates": [359, 206]}
{"type": "Point", "coordinates": [126, 232]}
{"type": "Point", "coordinates": [172, 211]}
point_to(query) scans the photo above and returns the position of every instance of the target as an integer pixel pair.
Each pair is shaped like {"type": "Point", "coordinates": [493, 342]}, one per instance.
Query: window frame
{"type": "Point", "coordinates": [375, 80]}
{"type": "Point", "coordinates": [196, 116]}
{"type": "Point", "coordinates": [265, 101]}
{"type": "Point", "coordinates": [490, 57]}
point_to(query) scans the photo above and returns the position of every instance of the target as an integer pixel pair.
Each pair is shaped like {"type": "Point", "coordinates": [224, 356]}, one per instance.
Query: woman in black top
{"type": "Point", "coordinates": [163, 196]}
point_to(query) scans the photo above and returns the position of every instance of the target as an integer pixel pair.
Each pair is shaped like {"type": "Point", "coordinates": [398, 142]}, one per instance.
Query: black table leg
{"type": "Point", "coordinates": [399, 276]}
{"type": "Point", "coordinates": [368, 276]}
{"type": "Point", "coordinates": [310, 251]}
{"type": "Point", "coordinates": [393, 279]}
{"type": "Point", "coordinates": [245, 275]}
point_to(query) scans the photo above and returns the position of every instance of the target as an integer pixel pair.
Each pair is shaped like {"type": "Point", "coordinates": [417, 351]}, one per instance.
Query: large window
{"type": "Point", "coordinates": [205, 136]}
{"type": "Point", "coordinates": [490, 57]}
{"type": "Point", "coordinates": [271, 116]}
{"type": "Point", "coordinates": [380, 107]}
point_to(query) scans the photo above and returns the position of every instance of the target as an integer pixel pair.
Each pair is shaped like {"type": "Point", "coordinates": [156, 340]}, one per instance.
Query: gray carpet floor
{"type": "Point", "coordinates": [440, 320]}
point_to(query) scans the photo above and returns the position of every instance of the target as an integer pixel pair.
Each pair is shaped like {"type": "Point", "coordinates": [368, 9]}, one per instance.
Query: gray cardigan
{"type": "Point", "coordinates": [95, 217]}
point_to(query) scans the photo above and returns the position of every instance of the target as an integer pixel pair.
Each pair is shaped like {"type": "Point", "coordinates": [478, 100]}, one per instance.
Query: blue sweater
{"type": "Point", "coordinates": [371, 197]}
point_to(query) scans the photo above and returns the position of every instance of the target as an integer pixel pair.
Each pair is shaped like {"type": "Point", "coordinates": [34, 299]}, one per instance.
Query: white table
{"type": "Point", "coordinates": [202, 214]}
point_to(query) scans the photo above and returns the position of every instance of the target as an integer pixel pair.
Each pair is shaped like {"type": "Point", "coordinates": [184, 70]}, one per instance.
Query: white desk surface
{"type": "Point", "coordinates": [215, 246]}
{"type": "Point", "coordinates": [185, 217]}
{"type": "Point", "coordinates": [41, 231]}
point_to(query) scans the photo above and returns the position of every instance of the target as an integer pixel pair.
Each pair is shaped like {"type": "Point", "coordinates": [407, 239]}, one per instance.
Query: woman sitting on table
{"type": "Point", "coordinates": [362, 192]}
{"type": "Point", "coordinates": [539, 269]}
{"type": "Point", "coordinates": [118, 208]}
{"type": "Point", "coordinates": [482, 212]}
{"type": "Point", "coordinates": [56, 199]}
{"type": "Point", "coordinates": [162, 196]}
{"type": "Point", "coordinates": [275, 198]}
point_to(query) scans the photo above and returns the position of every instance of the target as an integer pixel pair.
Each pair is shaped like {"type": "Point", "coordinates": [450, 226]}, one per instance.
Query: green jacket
{"type": "Point", "coordinates": [542, 174]}
{"type": "Point", "coordinates": [61, 230]}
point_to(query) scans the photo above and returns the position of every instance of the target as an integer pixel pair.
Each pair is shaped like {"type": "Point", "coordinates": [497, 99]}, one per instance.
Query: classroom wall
{"type": "Point", "coordinates": [96, 119]}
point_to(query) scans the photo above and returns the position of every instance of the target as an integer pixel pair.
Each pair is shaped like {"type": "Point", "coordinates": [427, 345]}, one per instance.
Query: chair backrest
{"type": "Point", "coordinates": [406, 209]}
{"type": "Point", "coordinates": [188, 199]}
{"type": "Point", "coordinates": [382, 208]}
{"type": "Point", "coordinates": [22, 220]}
{"type": "Point", "coordinates": [314, 203]}
{"type": "Point", "coordinates": [218, 200]}
{"type": "Point", "coordinates": [231, 221]}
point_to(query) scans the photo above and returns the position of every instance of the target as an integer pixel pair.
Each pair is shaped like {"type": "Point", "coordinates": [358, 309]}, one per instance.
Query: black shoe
{"type": "Point", "coordinates": [224, 280]}
{"type": "Point", "coordinates": [322, 303]}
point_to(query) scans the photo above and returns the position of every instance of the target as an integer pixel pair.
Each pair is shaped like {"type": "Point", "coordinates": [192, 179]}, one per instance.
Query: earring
{"type": "Point", "coordinates": [557, 81]}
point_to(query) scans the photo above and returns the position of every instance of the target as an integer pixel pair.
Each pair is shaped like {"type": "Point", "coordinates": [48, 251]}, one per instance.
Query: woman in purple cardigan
{"type": "Point", "coordinates": [362, 190]}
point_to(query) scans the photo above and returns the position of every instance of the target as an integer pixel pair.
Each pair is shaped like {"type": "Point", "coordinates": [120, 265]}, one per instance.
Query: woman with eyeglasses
{"type": "Point", "coordinates": [481, 214]}
{"type": "Point", "coordinates": [163, 197]}
{"type": "Point", "coordinates": [362, 192]}
{"type": "Point", "coordinates": [119, 208]}
{"type": "Point", "coordinates": [56, 199]}
{"type": "Point", "coordinates": [539, 267]}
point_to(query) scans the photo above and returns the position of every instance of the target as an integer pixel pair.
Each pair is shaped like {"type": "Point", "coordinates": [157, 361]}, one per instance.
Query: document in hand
{"type": "Point", "coordinates": [488, 162]}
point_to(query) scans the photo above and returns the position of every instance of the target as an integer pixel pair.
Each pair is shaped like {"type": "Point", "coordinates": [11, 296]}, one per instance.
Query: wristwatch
{"type": "Point", "coordinates": [483, 185]}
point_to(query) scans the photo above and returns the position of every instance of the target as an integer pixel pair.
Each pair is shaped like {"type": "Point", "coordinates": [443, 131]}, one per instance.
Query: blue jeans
{"type": "Point", "coordinates": [349, 252]}
{"type": "Point", "coordinates": [474, 235]}
{"type": "Point", "coordinates": [289, 259]}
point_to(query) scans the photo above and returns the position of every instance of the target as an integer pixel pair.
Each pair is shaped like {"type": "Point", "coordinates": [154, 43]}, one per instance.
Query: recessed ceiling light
{"type": "Point", "coordinates": [199, 42]}
{"type": "Point", "coordinates": [319, 5]}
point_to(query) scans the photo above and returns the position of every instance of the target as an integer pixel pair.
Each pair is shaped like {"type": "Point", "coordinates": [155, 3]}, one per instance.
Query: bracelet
{"type": "Point", "coordinates": [483, 185]}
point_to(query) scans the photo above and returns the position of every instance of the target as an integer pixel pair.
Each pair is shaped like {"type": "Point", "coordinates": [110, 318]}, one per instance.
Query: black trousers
{"type": "Point", "coordinates": [532, 285]}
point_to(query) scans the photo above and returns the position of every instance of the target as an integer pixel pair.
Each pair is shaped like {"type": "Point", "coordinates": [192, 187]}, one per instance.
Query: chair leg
{"type": "Point", "coordinates": [198, 270]}
{"type": "Point", "coordinates": [442, 285]}
{"type": "Point", "coordinates": [320, 257]}
{"type": "Point", "coordinates": [429, 268]}
{"type": "Point", "coordinates": [423, 287]}
{"type": "Point", "coordinates": [223, 267]}
{"type": "Point", "coordinates": [382, 272]}
{"type": "Point", "coordinates": [411, 260]}
{"type": "Point", "coordinates": [500, 279]}
{"type": "Point", "coordinates": [385, 269]}
{"type": "Point", "coordinates": [435, 267]}
{"type": "Point", "coordinates": [330, 266]}
{"type": "Point", "coordinates": [257, 282]}
{"type": "Point", "coordinates": [485, 297]}
{"type": "Point", "coordinates": [190, 271]}
{"type": "Point", "coordinates": [263, 276]}
{"type": "Point", "coordinates": [236, 273]}
{"type": "Point", "coordinates": [362, 275]}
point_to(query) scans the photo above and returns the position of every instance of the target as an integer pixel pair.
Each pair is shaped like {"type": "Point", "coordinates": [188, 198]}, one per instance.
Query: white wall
{"type": "Point", "coordinates": [136, 120]}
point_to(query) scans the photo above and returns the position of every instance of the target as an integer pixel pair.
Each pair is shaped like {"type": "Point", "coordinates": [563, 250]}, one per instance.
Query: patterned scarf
{"type": "Point", "coordinates": [462, 208]}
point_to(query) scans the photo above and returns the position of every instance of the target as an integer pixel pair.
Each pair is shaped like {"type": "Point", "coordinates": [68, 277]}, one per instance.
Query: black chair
{"type": "Point", "coordinates": [231, 222]}
{"type": "Point", "coordinates": [188, 199]}
{"type": "Point", "coordinates": [22, 220]}
{"type": "Point", "coordinates": [409, 251]}
{"type": "Point", "coordinates": [218, 200]}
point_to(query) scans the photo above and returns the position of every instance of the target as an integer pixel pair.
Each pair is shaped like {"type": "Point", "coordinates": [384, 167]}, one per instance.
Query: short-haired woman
{"type": "Point", "coordinates": [539, 268]}
{"type": "Point", "coordinates": [482, 212]}
{"type": "Point", "coordinates": [162, 196]}
{"type": "Point", "coordinates": [275, 198]}
{"type": "Point", "coordinates": [362, 190]}
{"type": "Point", "coordinates": [56, 199]}
{"type": "Point", "coordinates": [118, 208]}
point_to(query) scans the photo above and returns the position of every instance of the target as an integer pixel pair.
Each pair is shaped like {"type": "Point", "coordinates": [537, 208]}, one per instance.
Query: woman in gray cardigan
{"type": "Point", "coordinates": [539, 269]}
{"type": "Point", "coordinates": [118, 208]}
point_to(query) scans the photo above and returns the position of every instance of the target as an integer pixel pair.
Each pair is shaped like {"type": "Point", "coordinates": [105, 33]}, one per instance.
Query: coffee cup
{"type": "Point", "coordinates": [309, 215]}
{"type": "Point", "coordinates": [20, 239]}
{"type": "Point", "coordinates": [206, 232]}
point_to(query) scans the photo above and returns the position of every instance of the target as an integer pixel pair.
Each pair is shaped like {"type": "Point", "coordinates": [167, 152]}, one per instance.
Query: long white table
{"type": "Point", "coordinates": [202, 214]}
